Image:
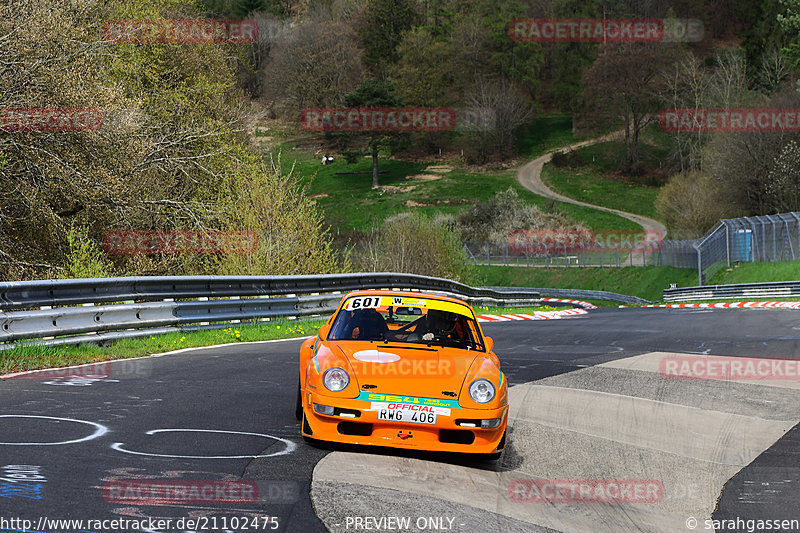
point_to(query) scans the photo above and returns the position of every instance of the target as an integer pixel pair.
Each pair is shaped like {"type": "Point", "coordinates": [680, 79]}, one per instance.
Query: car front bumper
{"type": "Point", "coordinates": [362, 427]}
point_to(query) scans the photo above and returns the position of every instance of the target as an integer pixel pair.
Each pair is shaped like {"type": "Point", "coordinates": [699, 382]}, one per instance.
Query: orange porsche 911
{"type": "Point", "coordinates": [404, 370]}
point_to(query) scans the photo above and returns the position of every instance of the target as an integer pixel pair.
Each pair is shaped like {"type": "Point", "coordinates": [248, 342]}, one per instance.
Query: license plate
{"type": "Point", "coordinates": [405, 416]}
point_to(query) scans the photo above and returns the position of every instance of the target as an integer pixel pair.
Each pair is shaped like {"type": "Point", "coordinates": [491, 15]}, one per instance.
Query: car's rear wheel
{"type": "Point", "coordinates": [298, 410]}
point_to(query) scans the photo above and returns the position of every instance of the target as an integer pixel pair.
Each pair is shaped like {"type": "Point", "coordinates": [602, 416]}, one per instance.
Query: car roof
{"type": "Point", "coordinates": [370, 292]}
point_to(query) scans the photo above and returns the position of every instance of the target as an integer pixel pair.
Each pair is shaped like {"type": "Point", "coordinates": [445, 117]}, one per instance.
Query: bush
{"type": "Point", "coordinates": [84, 257]}
{"type": "Point", "coordinates": [352, 156]}
{"type": "Point", "coordinates": [414, 244]}
{"type": "Point", "coordinates": [569, 159]}
{"type": "Point", "coordinates": [690, 204]}
{"type": "Point", "coordinates": [273, 205]}
{"type": "Point", "coordinates": [496, 219]}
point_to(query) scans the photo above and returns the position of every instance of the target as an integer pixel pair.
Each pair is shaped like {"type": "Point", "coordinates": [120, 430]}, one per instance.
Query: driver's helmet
{"type": "Point", "coordinates": [441, 322]}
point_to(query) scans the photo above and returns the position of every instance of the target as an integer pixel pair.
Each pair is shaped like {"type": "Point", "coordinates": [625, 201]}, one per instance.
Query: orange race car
{"type": "Point", "coordinates": [406, 370]}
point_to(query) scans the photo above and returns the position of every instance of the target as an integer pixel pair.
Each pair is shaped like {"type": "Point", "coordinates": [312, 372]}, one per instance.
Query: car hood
{"type": "Point", "coordinates": [409, 370]}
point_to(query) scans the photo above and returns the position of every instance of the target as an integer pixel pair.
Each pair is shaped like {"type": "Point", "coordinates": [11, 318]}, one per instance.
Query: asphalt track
{"type": "Point", "coordinates": [586, 403]}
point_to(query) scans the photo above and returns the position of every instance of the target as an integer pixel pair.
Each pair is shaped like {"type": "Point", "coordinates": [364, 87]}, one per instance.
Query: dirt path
{"type": "Point", "coordinates": [530, 177]}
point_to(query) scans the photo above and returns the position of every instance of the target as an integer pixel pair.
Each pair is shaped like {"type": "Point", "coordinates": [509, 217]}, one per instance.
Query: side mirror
{"type": "Point", "coordinates": [489, 343]}
{"type": "Point", "coordinates": [324, 330]}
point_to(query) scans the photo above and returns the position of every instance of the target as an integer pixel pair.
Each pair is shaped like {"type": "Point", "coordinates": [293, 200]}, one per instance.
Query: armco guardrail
{"type": "Point", "coordinates": [584, 294]}
{"type": "Point", "coordinates": [29, 294]}
{"type": "Point", "coordinates": [64, 312]}
{"type": "Point", "coordinates": [775, 289]}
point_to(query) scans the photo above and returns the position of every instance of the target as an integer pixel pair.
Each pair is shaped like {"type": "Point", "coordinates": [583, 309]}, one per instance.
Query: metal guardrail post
{"type": "Point", "coordinates": [727, 243]}
{"type": "Point", "coordinates": [699, 265]}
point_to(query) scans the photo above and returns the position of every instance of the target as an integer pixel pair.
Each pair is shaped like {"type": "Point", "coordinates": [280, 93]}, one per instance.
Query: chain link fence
{"type": "Point", "coordinates": [572, 255]}
{"type": "Point", "coordinates": [767, 238]}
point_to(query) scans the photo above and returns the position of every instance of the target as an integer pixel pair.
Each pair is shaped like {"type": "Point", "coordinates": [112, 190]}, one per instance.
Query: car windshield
{"type": "Point", "coordinates": [407, 320]}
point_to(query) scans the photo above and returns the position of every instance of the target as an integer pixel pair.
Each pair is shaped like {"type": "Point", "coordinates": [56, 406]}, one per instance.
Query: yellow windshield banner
{"type": "Point", "coordinates": [372, 302]}
{"type": "Point", "coordinates": [426, 303]}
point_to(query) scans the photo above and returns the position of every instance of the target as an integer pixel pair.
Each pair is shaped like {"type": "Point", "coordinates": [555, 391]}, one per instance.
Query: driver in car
{"type": "Point", "coordinates": [440, 324]}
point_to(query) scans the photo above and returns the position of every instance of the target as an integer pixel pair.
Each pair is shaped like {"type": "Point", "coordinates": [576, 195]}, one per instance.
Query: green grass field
{"type": "Point", "coordinates": [757, 272]}
{"type": "Point", "coordinates": [545, 133]}
{"type": "Point", "coordinates": [349, 202]}
{"type": "Point", "coordinates": [592, 174]}
{"type": "Point", "coordinates": [586, 185]}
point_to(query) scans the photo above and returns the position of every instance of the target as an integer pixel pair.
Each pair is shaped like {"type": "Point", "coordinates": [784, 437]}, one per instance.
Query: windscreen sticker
{"type": "Point", "coordinates": [373, 302]}
{"type": "Point", "coordinates": [363, 302]}
{"type": "Point", "coordinates": [408, 400]}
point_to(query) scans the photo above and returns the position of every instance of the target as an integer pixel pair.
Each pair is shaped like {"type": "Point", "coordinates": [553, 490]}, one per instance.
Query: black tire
{"type": "Point", "coordinates": [298, 410]}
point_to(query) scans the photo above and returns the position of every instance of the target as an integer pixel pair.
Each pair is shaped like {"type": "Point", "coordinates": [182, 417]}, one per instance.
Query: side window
{"type": "Point", "coordinates": [472, 333]}
{"type": "Point", "coordinates": [343, 319]}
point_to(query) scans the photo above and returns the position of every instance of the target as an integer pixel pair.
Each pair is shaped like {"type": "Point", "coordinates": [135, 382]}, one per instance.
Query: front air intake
{"type": "Point", "coordinates": [456, 436]}
{"type": "Point", "coordinates": [360, 429]}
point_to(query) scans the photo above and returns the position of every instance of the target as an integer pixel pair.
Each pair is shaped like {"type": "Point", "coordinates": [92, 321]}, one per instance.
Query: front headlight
{"type": "Point", "coordinates": [482, 391]}
{"type": "Point", "coordinates": [335, 379]}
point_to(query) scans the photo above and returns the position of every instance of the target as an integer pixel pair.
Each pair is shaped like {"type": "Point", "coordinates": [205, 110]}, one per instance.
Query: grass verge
{"type": "Point", "coordinates": [644, 282]}
{"type": "Point", "coordinates": [21, 358]}
{"type": "Point", "coordinates": [757, 272]}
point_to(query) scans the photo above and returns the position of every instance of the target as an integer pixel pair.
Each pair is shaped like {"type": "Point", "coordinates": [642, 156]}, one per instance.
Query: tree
{"type": "Point", "coordinates": [782, 186]}
{"type": "Point", "coordinates": [242, 8]}
{"type": "Point", "coordinates": [624, 84]}
{"type": "Point", "coordinates": [170, 155]}
{"type": "Point", "coordinates": [789, 22]}
{"type": "Point", "coordinates": [373, 93]}
{"type": "Point", "coordinates": [503, 111]}
{"type": "Point", "coordinates": [692, 202]}
{"type": "Point", "coordinates": [744, 161]}
{"type": "Point", "coordinates": [315, 65]}
{"type": "Point", "coordinates": [381, 29]}
{"type": "Point", "coordinates": [425, 71]}
{"type": "Point", "coordinates": [487, 50]}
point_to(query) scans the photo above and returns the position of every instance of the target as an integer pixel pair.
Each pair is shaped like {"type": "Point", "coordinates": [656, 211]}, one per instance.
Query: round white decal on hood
{"type": "Point", "coordinates": [374, 356]}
